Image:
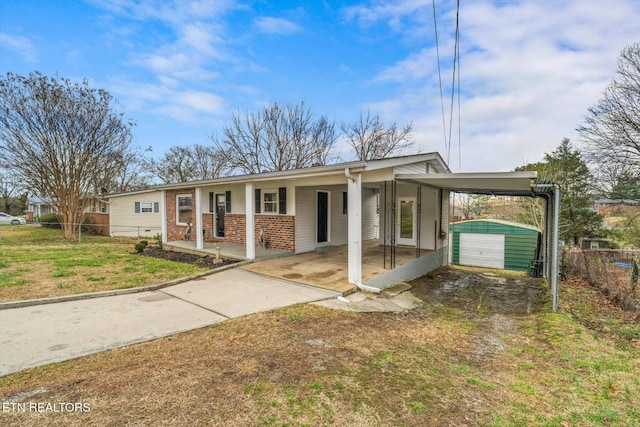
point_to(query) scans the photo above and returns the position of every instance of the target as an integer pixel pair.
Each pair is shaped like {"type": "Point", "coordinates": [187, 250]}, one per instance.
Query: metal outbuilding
{"type": "Point", "coordinates": [494, 243]}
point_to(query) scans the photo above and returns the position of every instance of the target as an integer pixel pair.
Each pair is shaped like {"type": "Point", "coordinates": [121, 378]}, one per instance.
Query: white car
{"type": "Point", "coordinates": [13, 220]}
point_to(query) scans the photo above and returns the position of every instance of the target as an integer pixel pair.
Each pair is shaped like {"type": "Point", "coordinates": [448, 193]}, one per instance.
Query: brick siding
{"type": "Point", "coordinates": [280, 230]}
{"type": "Point", "coordinates": [175, 231]}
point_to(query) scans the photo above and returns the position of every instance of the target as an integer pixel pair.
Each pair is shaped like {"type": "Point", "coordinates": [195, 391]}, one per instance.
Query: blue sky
{"type": "Point", "coordinates": [528, 69]}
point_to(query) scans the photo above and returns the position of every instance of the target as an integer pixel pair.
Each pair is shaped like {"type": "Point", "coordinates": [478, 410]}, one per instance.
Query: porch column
{"type": "Point", "coordinates": [198, 224]}
{"type": "Point", "coordinates": [163, 215]}
{"type": "Point", "coordinates": [354, 221]}
{"type": "Point", "coordinates": [250, 221]}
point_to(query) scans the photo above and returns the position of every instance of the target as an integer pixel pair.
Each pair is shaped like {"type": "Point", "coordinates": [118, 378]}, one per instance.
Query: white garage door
{"type": "Point", "coordinates": [482, 250]}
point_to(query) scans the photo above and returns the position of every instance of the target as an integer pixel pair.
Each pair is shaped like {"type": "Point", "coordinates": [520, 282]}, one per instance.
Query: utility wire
{"type": "Point", "coordinates": [444, 125]}
{"type": "Point", "coordinates": [459, 98]}
{"type": "Point", "coordinates": [453, 86]}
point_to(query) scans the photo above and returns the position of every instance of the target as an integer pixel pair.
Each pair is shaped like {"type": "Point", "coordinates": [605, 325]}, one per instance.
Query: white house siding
{"type": "Point", "coordinates": [306, 216]}
{"type": "Point", "coordinates": [429, 214]}
{"type": "Point", "coordinates": [124, 221]}
{"type": "Point", "coordinates": [418, 168]}
{"type": "Point", "coordinates": [446, 196]}
{"type": "Point", "coordinates": [370, 220]}
{"type": "Point", "coordinates": [305, 219]}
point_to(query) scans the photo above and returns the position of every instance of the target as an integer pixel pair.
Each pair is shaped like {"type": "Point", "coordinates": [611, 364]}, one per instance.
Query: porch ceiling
{"type": "Point", "coordinates": [495, 183]}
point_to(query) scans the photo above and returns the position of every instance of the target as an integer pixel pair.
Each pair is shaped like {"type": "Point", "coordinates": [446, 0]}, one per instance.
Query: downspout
{"type": "Point", "coordinates": [359, 284]}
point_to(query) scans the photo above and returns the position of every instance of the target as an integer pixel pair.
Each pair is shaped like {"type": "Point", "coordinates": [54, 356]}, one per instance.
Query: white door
{"type": "Point", "coordinates": [482, 250]}
{"type": "Point", "coordinates": [406, 215]}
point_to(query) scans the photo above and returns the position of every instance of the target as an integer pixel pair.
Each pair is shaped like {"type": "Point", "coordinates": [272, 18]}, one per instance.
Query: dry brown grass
{"type": "Point", "coordinates": [441, 364]}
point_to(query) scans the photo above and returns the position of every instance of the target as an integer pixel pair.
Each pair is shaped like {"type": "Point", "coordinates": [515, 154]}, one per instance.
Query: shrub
{"type": "Point", "coordinates": [141, 246]}
{"type": "Point", "coordinates": [158, 240]}
{"type": "Point", "coordinates": [50, 221]}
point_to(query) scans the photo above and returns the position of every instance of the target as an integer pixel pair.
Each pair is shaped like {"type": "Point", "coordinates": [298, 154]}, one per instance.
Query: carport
{"type": "Point", "coordinates": [521, 184]}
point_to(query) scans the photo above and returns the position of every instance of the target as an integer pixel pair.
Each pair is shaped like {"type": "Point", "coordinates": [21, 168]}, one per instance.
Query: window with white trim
{"type": "Point", "coordinates": [184, 208]}
{"type": "Point", "coordinates": [146, 207]}
{"type": "Point", "coordinates": [270, 201]}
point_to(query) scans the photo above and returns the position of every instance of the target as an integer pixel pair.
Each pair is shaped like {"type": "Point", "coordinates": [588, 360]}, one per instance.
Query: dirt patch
{"type": "Point", "coordinates": [199, 260]}
{"type": "Point", "coordinates": [481, 291]}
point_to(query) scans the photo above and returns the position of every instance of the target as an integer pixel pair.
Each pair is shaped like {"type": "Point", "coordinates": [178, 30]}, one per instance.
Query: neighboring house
{"type": "Point", "coordinates": [615, 207]}
{"type": "Point", "coordinates": [135, 214]}
{"type": "Point", "coordinates": [39, 207]}
{"type": "Point", "coordinates": [595, 243]}
{"type": "Point", "coordinates": [401, 201]}
{"type": "Point", "coordinates": [494, 243]}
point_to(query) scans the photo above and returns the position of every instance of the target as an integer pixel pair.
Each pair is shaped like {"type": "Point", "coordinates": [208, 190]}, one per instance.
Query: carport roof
{"type": "Point", "coordinates": [493, 183]}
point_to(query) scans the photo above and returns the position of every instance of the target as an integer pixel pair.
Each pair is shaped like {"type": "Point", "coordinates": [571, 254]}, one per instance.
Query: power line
{"type": "Point", "coordinates": [444, 125]}
{"type": "Point", "coordinates": [456, 73]}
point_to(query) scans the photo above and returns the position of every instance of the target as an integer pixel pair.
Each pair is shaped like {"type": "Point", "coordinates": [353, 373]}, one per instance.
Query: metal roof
{"type": "Point", "coordinates": [490, 183]}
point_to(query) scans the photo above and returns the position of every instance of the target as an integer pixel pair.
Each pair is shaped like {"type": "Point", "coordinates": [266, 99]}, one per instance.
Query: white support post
{"type": "Point", "coordinates": [556, 247]}
{"type": "Point", "coordinates": [163, 215]}
{"type": "Point", "coordinates": [198, 224]}
{"type": "Point", "coordinates": [250, 221]}
{"type": "Point", "coordinates": [354, 214]}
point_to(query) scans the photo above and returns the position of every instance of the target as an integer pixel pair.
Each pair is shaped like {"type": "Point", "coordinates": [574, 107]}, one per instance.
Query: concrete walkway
{"type": "Point", "coordinates": [41, 334]}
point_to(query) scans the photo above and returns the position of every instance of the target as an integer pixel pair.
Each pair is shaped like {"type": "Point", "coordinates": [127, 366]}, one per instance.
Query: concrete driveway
{"type": "Point", "coordinates": [41, 334]}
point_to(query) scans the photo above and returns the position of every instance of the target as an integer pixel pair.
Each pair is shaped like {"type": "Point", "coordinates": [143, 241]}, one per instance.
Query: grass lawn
{"type": "Point", "coordinates": [37, 262]}
{"type": "Point", "coordinates": [456, 360]}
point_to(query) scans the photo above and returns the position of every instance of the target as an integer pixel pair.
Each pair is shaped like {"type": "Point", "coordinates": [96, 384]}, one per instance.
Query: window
{"type": "Point", "coordinates": [184, 208]}
{"type": "Point", "coordinates": [595, 245]}
{"type": "Point", "coordinates": [270, 199]}
{"type": "Point", "coordinates": [344, 203]}
{"type": "Point", "coordinates": [147, 207]}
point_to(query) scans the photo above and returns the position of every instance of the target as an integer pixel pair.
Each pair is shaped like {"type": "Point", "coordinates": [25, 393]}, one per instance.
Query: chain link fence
{"type": "Point", "coordinates": [615, 271]}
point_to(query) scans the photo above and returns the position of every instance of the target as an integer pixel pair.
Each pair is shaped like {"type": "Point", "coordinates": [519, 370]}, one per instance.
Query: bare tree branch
{"type": "Point", "coordinates": [371, 140]}
{"type": "Point", "coordinates": [63, 139]}
{"type": "Point", "coordinates": [190, 163]}
{"type": "Point", "coordinates": [611, 128]}
{"type": "Point", "coordinates": [276, 138]}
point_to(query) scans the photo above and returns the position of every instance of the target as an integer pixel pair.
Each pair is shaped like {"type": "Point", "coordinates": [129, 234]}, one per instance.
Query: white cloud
{"type": "Point", "coordinates": [22, 45]}
{"type": "Point", "coordinates": [529, 71]}
{"type": "Point", "coordinates": [281, 26]}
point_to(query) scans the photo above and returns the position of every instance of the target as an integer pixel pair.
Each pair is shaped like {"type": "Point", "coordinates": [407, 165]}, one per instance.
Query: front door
{"type": "Point", "coordinates": [220, 211]}
{"type": "Point", "coordinates": [322, 217]}
{"type": "Point", "coordinates": [407, 221]}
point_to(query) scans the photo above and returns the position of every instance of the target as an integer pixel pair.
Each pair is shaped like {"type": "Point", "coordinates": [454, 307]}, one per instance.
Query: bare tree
{"type": "Point", "coordinates": [11, 193]}
{"type": "Point", "coordinates": [371, 140]}
{"type": "Point", "coordinates": [277, 138]}
{"type": "Point", "coordinates": [132, 173]}
{"type": "Point", "coordinates": [62, 139]}
{"type": "Point", "coordinates": [190, 163]}
{"type": "Point", "coordinates": [611, 130]}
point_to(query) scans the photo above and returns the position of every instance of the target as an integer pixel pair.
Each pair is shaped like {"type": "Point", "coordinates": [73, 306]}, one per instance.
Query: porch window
{"type": "Point", "coordinates": [270, 199]}
{"type": "Point", "coordinates": [184, 208]}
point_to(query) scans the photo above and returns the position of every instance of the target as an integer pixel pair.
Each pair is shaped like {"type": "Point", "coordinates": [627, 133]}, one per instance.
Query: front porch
{"type": "Point", "coordinates": [228, 250]}
{"type": "Point", "coordinates": [325, 268]}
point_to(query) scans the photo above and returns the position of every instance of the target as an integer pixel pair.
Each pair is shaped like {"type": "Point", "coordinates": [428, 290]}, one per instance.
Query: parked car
{"type": "Point", "coordinates": [13, 220]}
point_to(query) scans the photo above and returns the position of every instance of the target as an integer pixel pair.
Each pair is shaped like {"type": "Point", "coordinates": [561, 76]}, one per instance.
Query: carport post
{"type": "Point", "coordinates": [250, 221]}
{"type": "Point", "coordinates": [199, 236]}
{"type": "Point", "coordinates": [354, 222]}
{"type": "Point", "coordinates": [556, 246]}
{"type": "Point", "coordinates": [163, 215]}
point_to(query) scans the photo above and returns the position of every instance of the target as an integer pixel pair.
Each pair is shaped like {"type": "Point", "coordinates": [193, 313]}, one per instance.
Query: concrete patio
{"type": "Point", "coordinates": [327, 268]}
{"type": "Point", "coordinates": [324, 268]}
